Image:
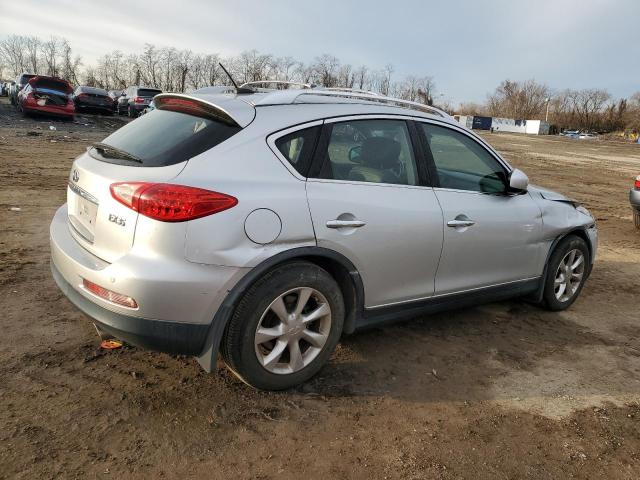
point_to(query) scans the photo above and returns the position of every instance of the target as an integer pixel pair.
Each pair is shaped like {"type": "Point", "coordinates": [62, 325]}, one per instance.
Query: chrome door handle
{"type": "Point", "coordinates": [345, 224]}
{"type": "Point", "coordinates": [460, 223]}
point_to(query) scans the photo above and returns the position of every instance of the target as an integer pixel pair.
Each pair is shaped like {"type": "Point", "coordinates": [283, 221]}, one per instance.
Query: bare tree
{"type": "Point", "coordinates": [12, 52]}
{"type": "Point", "coordinates": [325, 70]}
{"type": "Point", "coordinates": [519, 100]}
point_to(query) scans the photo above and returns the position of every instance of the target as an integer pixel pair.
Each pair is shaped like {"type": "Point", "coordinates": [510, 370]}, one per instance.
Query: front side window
{"type": "Point", "coordinates": [462, 163]}
{"type": "Point", "coordinates": [376, 151]}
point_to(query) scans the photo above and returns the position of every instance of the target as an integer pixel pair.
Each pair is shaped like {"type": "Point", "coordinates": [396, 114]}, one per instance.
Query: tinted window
{"type": "Point", "coordinates": [164, 137]}
{"type": "Point", "coordinates": [377, 151]}
{"type": "Point", "coordinates": [297, 148]}
{"type": "Point", "coordinates": [462, 163]}
{"type": "Point", "coordinates": [145, 92]}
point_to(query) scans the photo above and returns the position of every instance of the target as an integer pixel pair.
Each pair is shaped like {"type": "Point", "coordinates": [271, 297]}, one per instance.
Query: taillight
{"type": "Point", "coordinates": [637, 183]}
{"type": "Point", "coordinates": [170, 203]}
{"type": "Point", "coordinates": [108, 295]}
{"type": "Point", "coordinates": [138, 100]}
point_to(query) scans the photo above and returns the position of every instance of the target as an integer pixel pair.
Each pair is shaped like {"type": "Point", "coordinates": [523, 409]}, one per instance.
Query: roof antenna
{"type": "Point", "coordinates": [235, 85]}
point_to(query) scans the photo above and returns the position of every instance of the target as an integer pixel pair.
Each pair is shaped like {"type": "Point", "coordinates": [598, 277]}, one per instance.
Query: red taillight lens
{"type": "Point", "coordinates": [138, 100]}
{"type": "Point", "coordinates": [170, 203]}
{"type": "Point", "coordinates": [637, 183]}
{"type": "Point", "coordinates": [108, 295]}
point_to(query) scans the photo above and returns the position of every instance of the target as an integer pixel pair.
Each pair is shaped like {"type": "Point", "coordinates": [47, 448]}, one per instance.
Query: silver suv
{"type": "Point", "coordinates": [266, 224]}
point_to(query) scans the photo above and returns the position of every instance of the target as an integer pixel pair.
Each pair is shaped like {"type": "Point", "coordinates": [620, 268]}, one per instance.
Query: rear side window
{"type": "Point", "coordinates": [297, 148]}
{"type": "Point", "coordinates": [163, 137]}
{"type": "Point", "coordinates": [374, 151]}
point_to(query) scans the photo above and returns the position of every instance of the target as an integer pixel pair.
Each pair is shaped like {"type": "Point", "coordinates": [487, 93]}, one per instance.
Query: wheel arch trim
{"type": "Point", "coordinates": [352, 282]}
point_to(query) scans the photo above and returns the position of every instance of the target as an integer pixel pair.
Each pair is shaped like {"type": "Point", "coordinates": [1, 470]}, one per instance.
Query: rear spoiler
{"type": "Point", "coordinates": [229, 109]}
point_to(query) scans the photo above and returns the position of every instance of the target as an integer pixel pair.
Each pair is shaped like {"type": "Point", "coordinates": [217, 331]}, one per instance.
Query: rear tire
{"type": "Point", "coordinates": [285, 327]}
{"type": "Point", "coordinates": [636, 218]}
{"type": "Point", "coordinates": [567, 271]}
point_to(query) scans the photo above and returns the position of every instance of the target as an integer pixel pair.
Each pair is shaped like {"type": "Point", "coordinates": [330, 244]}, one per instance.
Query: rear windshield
{"type": "Point", "coordinates": [92, 90]}
{"type": "Point", "coordinates": [51, 84]}
{"type": "Point", "coordinates": [145, 92]}
{"type": "Point", "coordinates": [163, 137]}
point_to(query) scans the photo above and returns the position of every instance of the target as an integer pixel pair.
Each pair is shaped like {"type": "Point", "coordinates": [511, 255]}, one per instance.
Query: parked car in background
{"type": "Point", "coordinates": [47, 95]}
{"type": "Point", "coordinates": [268, 224]}
{"type": "Point", "coordinates": [634, 199]}
{"type": "Point", "coordinates": [569, 133]}
{"type": "Point", "coordinates": [136, 99]}
{"type": "Point", "coordinates": [92, 99]}
{"type": "Point", "coordinates": [20, 83]}
{"type": "Point", "coordinates": [587, 136]}
{"type": "Point", "coordinates": [4, 89]}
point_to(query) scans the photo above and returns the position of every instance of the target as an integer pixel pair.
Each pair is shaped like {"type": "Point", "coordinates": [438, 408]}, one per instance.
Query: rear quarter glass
{"type": "Point", "coordinates": [162, 137]}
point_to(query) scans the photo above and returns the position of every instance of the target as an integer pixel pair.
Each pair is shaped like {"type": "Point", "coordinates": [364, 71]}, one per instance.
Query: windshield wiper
{"type": "Point", "coordinates": [109, 151]}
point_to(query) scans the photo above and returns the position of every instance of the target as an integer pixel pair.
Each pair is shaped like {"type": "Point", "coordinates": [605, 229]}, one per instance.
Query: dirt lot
{"type": "Point", "coordinates": [499, 391]}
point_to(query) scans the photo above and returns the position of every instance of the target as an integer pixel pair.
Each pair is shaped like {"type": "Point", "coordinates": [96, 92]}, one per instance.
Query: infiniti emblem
{"type": "Point", "coordinates": [76, 176]}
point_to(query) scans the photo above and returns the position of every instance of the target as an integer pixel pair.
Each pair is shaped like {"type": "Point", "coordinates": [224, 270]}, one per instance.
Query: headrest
{"type": "Point", "coordinates": [380, 152]}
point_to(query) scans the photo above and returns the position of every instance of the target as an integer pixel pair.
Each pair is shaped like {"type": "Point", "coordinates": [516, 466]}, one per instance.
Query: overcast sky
{"type": "Point", "coordinates": [468, 46]}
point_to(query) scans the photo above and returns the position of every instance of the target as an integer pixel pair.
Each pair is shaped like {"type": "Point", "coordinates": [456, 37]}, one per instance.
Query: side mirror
{"type": "Point", "coordinates": [354, 154]}
{"type": "Point", "coordinates": [518, 181]}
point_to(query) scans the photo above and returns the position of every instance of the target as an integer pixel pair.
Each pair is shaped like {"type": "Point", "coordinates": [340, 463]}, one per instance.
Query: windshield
{"type": "Point", "coordinates": [164, 137]}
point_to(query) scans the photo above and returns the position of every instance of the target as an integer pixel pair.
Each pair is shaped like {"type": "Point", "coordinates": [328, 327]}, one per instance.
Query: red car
{"type": "Point", "coordinates": [47, 95]}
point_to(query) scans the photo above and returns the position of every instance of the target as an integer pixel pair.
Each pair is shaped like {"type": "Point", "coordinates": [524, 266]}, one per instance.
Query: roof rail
{"type": "Point", "coordinates": [345, 89]}
{"type": "Point", "coordinates": [375, 98]}
{"type": "Point", "coordinates": [275, 82]}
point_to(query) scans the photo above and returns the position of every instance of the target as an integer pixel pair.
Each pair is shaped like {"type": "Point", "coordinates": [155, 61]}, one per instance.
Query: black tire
{"type": "Point", "coordinates": [130, 113]}
{"type": "Point", "coordinates": [636, 218]}
{"type": "Point", "coordinates": [238, 348]}
{"type": "Point", "coordinates": [566, 245]}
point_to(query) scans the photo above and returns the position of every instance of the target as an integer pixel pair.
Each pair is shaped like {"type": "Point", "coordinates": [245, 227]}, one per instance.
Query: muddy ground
{"type": "Point", "coordinates": [499, 391]}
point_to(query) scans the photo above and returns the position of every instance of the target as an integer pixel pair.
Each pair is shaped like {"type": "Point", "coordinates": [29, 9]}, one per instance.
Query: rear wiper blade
{"type": "Point", "coordinates": [110, 151]}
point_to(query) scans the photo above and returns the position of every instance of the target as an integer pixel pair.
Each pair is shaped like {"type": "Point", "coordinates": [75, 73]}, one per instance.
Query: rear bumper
{"type": "Point", "coordinates": [634, 199]}
{"type": "Point", "coordinates": [176, 299]}
{"type": "Point", "coordinates": [170, 337]}
{"type": "Point", "coordinates": [49, 110]}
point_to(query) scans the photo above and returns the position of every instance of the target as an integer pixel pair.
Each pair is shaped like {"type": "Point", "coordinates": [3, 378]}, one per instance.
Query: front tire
{"type": "Point", "coordinates": [285, 327]}
{"type": "Point", "coordinates": [567, 271]}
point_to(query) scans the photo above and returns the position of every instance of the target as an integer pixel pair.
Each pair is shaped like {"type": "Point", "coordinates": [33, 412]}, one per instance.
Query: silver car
{"type": "Point", "coordinates": [265, 225]}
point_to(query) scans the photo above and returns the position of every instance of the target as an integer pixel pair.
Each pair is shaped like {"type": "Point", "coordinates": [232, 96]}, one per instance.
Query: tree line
{"type": "Point", "coordinates": [176, 70]}
{"type": "Point", "coordinates": [586, 109]}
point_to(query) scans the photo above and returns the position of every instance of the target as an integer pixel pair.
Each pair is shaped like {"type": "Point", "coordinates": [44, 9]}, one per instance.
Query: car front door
{"type": "Point", "coordinates": [491, 236]}
{"type": "Point", "coordinates": [370, 202]}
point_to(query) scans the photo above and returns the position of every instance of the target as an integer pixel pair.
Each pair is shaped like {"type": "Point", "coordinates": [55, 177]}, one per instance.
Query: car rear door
{"type": "Point", "coordinates": [490, 237]}
{"type": "Point", "coordinates": [369, 201]}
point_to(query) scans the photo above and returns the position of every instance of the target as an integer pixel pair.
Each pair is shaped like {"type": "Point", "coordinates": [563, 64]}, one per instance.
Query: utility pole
{"type": "Point", "coordinates": [546, 117]}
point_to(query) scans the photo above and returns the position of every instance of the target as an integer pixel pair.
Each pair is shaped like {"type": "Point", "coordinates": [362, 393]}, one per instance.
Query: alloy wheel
{"type": "Point", "coordinates": [569, 275]}
{"type": "Point", "coordinates": [293, 330]}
